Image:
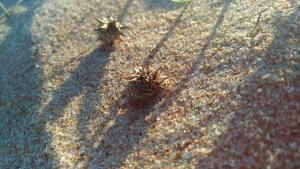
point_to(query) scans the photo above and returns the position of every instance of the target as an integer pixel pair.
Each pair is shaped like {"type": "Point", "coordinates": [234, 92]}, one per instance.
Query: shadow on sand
{"type": "Point", "coordinates": [159, 4]}
{"type": "Point", "coordinates": [193, 71]}
{"type": "Point", "coordinates": [84, 80]}
{"type": "Point", "coordinates": [128, 113]}
{"type": "Point", "coordinates": [130, 119]}
{"type": "Point", "coordinates": [129, 127]}
{"type": "Point", "coordinates": [22, 141]}
{"type": "Point", "coordinates": [265, 127]}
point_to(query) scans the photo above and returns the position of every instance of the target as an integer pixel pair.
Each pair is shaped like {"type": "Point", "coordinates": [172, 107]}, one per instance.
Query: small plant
{"type": "Point", "coordinates": [109, 30]}
{"type": "Point", "coordinates": [146, 81]}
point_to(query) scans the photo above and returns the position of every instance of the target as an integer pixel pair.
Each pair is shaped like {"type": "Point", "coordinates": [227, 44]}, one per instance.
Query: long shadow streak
{"type": "Point", "coordinates": [166, 36]}
{"type": "Point", "coordinates": [124, 10]}
{"type": "Point", "coordinates": [84, 80]}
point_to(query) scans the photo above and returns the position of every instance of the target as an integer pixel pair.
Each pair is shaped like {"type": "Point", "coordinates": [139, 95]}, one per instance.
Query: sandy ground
{"type": "Point", "coordinates": [233, 65]}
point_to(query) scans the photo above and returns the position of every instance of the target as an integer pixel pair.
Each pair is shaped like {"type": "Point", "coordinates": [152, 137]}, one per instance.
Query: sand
{"type": "Point", "coordinates": [233, 67]}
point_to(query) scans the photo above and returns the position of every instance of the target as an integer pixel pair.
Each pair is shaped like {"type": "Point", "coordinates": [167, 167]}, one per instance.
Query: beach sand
{"type": "Point", "coordinates": [233, 100]}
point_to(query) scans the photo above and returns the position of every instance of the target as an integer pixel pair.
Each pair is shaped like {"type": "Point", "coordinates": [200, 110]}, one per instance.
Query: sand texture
{"type": "Point", "coordinates": [232, 101]}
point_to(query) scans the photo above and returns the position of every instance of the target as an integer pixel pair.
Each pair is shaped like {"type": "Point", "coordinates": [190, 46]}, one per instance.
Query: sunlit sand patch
{"type": "Point", "coordinates": [65, 138]}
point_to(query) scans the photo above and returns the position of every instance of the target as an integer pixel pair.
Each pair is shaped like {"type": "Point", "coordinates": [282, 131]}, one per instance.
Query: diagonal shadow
{"type": "Point", "coordinates": [166, 36]}
{"type": "Point", "coordinates": [85, 79]}
{"type": "Point", "coordinates": [128, 129]}
{"type": "Point", "coordinates": [182, 84]}
{"type": "Point", "coordinates": [159, 4]}
{"type": "Point", "coordinates": [21, 139]}
{"type": "Point", "coordinates": [129, 126]}
{"type": "Point", "coordinates": [91, 99]}
{"type": "Point", "coordinates": [264, 121]}
{"type": "Point", "coordinates": [124, 10]}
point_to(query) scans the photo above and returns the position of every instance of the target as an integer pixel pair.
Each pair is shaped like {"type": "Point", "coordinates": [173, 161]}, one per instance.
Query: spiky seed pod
{"type": "Point", "coordinates": [109, 30]}
{"type": "Point", "coordinates": [146, 81]}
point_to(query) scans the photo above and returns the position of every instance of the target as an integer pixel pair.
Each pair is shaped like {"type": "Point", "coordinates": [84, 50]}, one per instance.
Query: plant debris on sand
{"type": "Point", "coordinates": [109, 30]}
{"type": "Point", "coordinates": [146, 81]}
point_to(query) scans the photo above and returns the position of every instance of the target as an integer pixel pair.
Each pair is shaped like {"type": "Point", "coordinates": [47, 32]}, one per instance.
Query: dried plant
{"type": "Point", "coordinates": [146, 81]}
{"type": "Point", "coordinates": [109, 30]}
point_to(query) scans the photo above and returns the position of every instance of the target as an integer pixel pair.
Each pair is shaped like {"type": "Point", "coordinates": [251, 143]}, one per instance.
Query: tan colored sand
{"type": "Point", "coordinates": [234, 101]}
